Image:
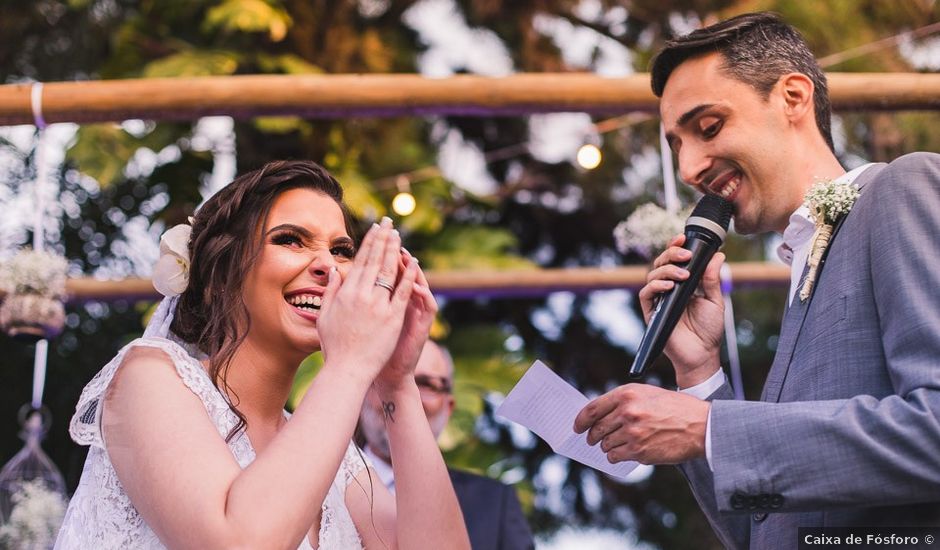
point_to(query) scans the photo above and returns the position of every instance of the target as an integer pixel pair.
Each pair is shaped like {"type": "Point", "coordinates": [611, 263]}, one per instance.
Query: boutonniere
{"type": "Point", "coordinates": [828, 202]}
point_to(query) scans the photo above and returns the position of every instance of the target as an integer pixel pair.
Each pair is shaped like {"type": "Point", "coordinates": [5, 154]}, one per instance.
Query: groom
{"type": "Point", "coordinates": [847, 431]}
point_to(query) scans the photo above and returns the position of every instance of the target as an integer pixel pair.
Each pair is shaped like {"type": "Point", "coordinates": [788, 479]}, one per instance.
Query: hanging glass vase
{"type": "Point", "coordinates": [32, 490]}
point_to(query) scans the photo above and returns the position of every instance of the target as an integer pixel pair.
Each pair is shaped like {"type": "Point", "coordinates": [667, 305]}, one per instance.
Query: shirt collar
{"type": "Point", "coordinates": [801, 227]}
{"type": "Point", "coordinates": [798, 232]}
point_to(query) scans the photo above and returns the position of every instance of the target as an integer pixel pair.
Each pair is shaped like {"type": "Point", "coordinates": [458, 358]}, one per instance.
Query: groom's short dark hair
{"type": "Point", "coordinates": [757, 49]}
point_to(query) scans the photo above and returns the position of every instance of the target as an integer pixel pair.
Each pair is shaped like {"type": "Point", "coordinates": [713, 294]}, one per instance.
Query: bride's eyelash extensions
{"type": "Point", "coordinates": [288, 237]}
{"type": "Point", "coordinates": [346, 250]}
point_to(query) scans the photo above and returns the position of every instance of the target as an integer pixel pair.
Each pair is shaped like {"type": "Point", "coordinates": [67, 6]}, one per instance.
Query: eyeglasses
{"type": "Point", "coordinates": [432, 386]}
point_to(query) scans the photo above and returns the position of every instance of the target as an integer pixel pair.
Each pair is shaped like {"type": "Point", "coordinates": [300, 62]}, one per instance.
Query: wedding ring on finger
{"type": "Point", "coordinates": [384, 284]}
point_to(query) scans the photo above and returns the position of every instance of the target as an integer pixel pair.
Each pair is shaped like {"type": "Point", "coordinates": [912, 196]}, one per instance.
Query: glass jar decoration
{"type": "Point", "coordinates": [32, 490]}
{"type": "Point", "coordinates": [34, 282]}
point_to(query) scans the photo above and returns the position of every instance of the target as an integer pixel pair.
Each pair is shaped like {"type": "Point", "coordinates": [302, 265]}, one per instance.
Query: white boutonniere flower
{"type": "Point", "coordinates": [171, 272]}
{"type": "Point", "coordinates": [828, 202]}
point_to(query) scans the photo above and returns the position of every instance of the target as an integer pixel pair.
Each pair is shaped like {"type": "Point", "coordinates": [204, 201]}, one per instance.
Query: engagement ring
{"type": "Point", "coordinates": [384, 284]}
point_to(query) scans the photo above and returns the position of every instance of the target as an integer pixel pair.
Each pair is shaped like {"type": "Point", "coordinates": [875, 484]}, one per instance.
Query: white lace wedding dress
{"type": "Point", "coordinates": [100, 515]}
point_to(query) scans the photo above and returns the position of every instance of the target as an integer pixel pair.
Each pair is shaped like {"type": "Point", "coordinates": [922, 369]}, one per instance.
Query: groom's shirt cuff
{"type": "Point", "coordinates": [702, 391]}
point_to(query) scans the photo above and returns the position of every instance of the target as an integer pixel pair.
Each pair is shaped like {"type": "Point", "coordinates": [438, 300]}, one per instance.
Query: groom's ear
{"type": "Point", "coordinates": [797, 90]}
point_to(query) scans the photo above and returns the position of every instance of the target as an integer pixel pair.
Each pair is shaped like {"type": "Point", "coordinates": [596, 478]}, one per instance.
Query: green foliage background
{"type": "Point", "coordinates": [493, 340]}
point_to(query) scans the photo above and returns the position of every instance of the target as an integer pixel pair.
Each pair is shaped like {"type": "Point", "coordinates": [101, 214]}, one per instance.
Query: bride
{"type": "Point", "coordinates": [190, 443]}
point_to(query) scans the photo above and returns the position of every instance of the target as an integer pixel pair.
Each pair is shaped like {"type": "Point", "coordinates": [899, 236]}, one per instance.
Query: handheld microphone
{"type": "Point", "coordinates": [705, 231]}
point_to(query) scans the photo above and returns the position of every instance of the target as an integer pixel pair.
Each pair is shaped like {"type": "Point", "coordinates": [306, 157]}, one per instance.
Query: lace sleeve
{"type": "Point", "coordinates": [85, 426]}
{"type": "Point", "coordinates": [354, 462]}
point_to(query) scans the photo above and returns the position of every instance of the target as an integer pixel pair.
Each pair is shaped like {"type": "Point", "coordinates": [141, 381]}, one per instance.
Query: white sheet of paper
{"type": "Point", "coordinates": [547, 405]}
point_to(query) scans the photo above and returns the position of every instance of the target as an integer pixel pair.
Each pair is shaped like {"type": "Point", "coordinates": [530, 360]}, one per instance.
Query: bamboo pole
{"type": "Point", "coordinates": [345, 95]}
{"type": "Point", "coordinates": [474, 284]}
{"type": "Point", "coordinates": [884, 91]}
{"type": "Point", "coordinates": [536, 282]}
{"type": "Point", "coordinates": [340, 95]}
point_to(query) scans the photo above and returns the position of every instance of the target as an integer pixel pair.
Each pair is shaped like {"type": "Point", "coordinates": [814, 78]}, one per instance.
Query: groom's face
{"type": "Point", "coordinates": [732, 142]}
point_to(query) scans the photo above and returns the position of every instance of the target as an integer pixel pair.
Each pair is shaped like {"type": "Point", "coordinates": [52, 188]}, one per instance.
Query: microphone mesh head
{"type": "Point", "coordinates": [714, 208]}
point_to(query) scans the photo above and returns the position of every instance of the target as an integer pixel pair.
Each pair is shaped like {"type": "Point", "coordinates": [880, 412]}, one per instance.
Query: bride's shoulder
{"type": "Point", "coordinates": [155, 350]}
{"type": "Point", "coordinates": [153, 363]}
{"type": "Point", "coordinates": [150, 349]}
{"type": "Point", "coordinates": [153, 378]}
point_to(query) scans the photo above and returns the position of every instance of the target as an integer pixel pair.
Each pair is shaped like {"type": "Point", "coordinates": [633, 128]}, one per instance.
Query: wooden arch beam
{"type": "Point", "coordinates": [386, 95]}
{"type": "Point", "coordinates": [476, 284]}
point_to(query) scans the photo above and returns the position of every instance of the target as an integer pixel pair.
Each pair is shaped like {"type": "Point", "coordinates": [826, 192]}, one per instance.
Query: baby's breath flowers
{"type": "Point", "coordinates": [35, 519]}
{"type": "Point", "coordinates": [34, 281]}
{"type": "Point", "coordinates": [649, 228]}
{"type": "Point", "coordinates": [828, 202]}
{"type": "Point", "coordinates": [34, 272]}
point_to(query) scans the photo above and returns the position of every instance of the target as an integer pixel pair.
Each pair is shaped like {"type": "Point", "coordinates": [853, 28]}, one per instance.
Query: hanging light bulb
{"type": "Point", "coordinates": [404, 202]}
{"type": "Point", "coordinates": [589, 156]}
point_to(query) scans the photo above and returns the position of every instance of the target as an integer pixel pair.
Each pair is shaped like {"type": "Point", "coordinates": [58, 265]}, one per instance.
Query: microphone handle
{"type": "Point", "coordinates": [703, 246]}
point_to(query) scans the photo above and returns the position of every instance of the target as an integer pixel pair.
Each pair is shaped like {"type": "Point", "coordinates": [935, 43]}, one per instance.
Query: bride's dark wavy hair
{"type": "Point", "coordinates": [225, 243]}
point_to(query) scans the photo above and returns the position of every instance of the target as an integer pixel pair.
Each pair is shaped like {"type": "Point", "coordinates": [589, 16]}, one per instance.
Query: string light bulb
{"type": "Point", "coordinates": [589, 156]}
{"type": "Point", "coordinates": [404, 203]}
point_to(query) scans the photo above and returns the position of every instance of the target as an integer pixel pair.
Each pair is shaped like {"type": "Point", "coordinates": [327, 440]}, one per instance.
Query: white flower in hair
{"type": "Point", "coordinates": [171, 272]}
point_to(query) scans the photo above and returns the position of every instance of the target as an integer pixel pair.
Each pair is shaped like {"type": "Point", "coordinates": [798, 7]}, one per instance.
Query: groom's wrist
{"type": "Point", "coordinates": [690, 377]}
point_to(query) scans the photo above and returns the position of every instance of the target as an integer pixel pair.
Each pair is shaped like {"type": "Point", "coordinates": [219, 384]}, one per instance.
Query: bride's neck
{"type": "Point", "coordinates": [259, 382]}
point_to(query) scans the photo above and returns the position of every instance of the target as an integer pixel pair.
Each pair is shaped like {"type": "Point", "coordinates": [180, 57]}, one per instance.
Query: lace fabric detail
{"type": "Point", "coordinates": [100, 514]}
{"type": "Point", "coordinates": [336, 526]}
{"type": "Point", "coordinates": [85, 427]}
{"type": "Point", "coordinates": [354, 462]}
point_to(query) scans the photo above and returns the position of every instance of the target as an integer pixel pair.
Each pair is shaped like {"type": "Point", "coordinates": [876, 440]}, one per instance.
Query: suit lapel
{"type": "Point", "coordinates": [796, 312]}
{"type": "Point", "coordinates": [789, 334]}
{"type": "Point", "coordinates": [793, 325]}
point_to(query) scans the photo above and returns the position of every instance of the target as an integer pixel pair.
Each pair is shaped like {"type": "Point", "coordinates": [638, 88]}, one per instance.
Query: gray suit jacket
{"type": "Point", "coordinates": [847, 432]}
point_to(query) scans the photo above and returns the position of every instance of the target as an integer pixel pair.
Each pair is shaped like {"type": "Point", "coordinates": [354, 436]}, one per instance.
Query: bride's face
{"type": "Point", "coordinates": [304, 237]}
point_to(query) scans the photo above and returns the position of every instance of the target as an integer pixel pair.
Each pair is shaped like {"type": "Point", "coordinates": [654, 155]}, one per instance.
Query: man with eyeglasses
{"type": "Point", "coordinates": [491, 509]}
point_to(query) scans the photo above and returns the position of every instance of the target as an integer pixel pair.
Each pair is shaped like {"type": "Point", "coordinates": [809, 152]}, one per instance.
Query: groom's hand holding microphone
{"type": "Point", "coordinates": [647, 423]}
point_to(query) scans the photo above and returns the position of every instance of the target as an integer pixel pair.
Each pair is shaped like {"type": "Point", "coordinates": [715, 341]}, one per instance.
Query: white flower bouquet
{"type": "Point", "coordinates": [35, 518]}
{"type": "Point", "coordinates": [35, 285]}
{"type": "Point", "coordinates": [34, 272]}
{"type": "Point", "coordinates": [648, 229]}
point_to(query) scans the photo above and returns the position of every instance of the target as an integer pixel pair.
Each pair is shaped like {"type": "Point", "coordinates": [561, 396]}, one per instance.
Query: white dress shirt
{"type": "Point", "coordinates": [794, 251]}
